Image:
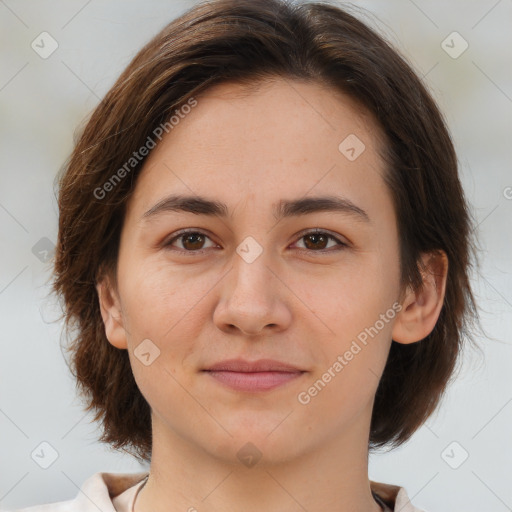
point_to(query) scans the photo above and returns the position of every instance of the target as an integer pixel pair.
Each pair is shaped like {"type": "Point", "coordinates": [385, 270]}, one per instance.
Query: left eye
{"type": "Point", "coordinates": [191, 238]}
{"type": "Point", "coordinates": [319, 239]}
{"type": "Point", "coordinates": [315, 241]}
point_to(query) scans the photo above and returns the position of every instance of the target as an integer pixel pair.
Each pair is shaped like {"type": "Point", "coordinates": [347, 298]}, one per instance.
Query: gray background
{"type": "Point", "coordinates": [42, 102]}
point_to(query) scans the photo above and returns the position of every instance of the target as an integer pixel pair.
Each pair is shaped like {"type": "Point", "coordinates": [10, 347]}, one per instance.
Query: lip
{"type": "Point", "coordinates": [261, 375]}
{"type": "Point", "coordinates": [261, 365]}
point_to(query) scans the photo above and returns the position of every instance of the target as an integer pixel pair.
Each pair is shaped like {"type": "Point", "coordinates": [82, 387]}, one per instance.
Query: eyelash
{"type": "Point", "coordinates": [182, 234]}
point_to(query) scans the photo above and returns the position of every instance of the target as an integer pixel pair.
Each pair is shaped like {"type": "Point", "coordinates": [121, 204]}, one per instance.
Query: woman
{"type": "Point", "coordinates": [264, 250]}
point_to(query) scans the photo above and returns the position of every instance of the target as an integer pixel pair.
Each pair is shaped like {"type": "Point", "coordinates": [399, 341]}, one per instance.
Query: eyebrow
{"type": "Point", "coordinates": [283, 209]}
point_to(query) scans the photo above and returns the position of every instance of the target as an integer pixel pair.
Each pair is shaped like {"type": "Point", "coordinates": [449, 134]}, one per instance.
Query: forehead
{"type": "Point", "coordinates": [277, 138]}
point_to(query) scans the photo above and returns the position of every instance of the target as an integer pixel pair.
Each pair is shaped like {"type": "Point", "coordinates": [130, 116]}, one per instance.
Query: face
{"type": "Point", "coordinates": [258, 282]}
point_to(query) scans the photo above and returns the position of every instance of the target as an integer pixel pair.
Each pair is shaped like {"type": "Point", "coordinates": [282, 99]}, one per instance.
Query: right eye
{"type": "Point", "coordinates": [190, 240]}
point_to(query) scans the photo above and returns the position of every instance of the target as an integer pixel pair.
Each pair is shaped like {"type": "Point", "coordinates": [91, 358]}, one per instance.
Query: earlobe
{"type": "Point", "coordinates": [421, 308]}
{"type": "Point", "coordinates": [111, 314]}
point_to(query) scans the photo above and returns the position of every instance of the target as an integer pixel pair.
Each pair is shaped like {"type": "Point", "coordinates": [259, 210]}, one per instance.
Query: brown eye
{"type": "Point", "coordinates": [193, 241]}
{"type": "Point", "coordinates": [317, 241]}
{"type": "Point", "coordinates": [190, 241]}
{"type": "Point", "coordinates": [314, 241]}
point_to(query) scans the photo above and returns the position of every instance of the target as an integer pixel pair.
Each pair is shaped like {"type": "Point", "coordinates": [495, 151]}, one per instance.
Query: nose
{"type": "Point", "coordinates": [253, 299]}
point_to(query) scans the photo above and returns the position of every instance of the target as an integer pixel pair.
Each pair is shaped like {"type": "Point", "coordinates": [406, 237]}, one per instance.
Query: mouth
{"type": "Point", "coordinates": [262, 375]}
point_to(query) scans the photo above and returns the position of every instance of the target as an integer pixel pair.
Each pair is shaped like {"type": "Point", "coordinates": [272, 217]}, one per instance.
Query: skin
{"type": "Point", "coordinates": [292, 303]}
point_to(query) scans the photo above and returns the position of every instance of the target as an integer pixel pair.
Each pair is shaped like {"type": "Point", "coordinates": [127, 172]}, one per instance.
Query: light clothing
{"type": "Point", "coordinates": [116, 492]}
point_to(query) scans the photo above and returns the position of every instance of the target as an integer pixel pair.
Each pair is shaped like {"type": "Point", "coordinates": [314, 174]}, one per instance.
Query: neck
{"type": "Point", "coordinates": [184, 477]}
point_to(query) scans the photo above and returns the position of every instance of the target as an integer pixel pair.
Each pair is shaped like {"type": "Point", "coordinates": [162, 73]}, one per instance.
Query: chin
{"type": "Point", "coordinates": [258, 445]}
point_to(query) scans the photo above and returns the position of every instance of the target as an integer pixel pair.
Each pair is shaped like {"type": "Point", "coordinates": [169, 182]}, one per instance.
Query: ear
{"type": "Point", "coordinates": [421, 308]}
{"type": "Point", "coordinates": [111, 314]}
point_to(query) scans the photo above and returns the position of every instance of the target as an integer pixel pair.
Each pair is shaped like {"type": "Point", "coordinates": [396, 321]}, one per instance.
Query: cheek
{"type": "Point", "coordinates": [163, 307]}
{"type": "Point", "coordinates": [349, 366]}
{"type": "Point", "coordinates": [356, 306]}
{"type": "Point", "coordinates": [350, 298]}
{"type": "Point", "coordinates": [335, 399]}
{"type": "Point", "coordinates": [157, 298]}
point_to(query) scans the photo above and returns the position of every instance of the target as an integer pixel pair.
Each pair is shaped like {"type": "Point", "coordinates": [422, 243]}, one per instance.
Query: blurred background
{"type": "Point", "coordinates": [59, 58]}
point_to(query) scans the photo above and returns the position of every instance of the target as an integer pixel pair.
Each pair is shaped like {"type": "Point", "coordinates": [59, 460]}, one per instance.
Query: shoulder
{"type": "Point", "coordinates": [95, 494]}
{"type": "Point", "coordinates": [394, 496]}
{"type": "Point", "coordinates": [404, 504]}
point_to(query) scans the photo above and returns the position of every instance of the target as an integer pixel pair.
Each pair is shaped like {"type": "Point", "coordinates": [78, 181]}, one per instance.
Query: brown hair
{"type": "Point", "coordinates": [249, 41]}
